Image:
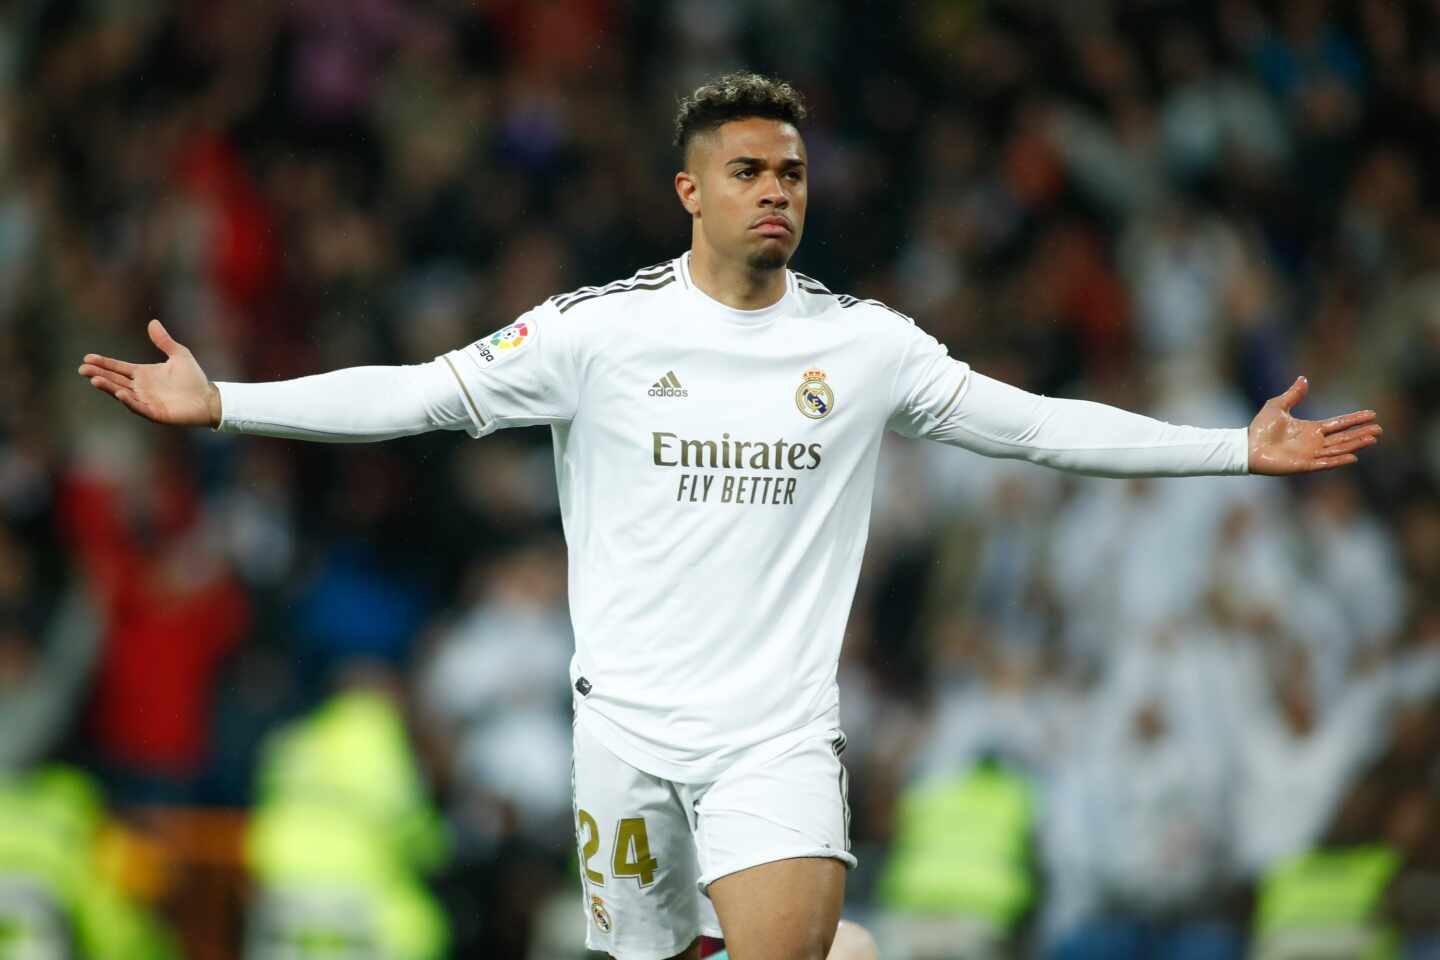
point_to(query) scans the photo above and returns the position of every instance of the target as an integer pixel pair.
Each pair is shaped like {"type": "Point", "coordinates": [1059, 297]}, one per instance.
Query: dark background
{"type": "Point", "coordinates": [1174, 207]}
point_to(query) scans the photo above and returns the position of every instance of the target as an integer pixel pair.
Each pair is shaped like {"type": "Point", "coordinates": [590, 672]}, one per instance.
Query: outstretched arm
{"type": "Point", "coordinates": [343, 406]}
{"type": "Point", "coordinates": [998, 420]}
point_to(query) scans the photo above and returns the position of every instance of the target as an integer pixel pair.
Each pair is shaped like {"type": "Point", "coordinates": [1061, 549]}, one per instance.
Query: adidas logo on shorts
{"type": "Point", "coordinates": [668, 386]}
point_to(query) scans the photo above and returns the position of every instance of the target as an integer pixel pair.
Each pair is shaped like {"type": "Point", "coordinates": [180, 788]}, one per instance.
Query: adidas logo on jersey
{"type": "Point", "coordinates": [668, 386]}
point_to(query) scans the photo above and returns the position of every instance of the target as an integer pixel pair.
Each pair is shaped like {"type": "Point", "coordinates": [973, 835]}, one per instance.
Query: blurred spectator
{"type": "Point", "coordinates": [1153, 842]}
{"type": "Point", "coordinates": [170, 617]}
{"type": "Point", "coordinates": [42, 677]}
{"type": "Point", "coordinates": [489, 695]}
{"type": "Point", "coordinates": [1180, 263]}
{"type": "Point", "coordinates": [1295, 759]}
{"type": "Point", "coordinates": [1355, 561]}
{"type": "Point", "coordinates": [1010, 710]}
{"type": "Point", "coordinates": [1212, 120]}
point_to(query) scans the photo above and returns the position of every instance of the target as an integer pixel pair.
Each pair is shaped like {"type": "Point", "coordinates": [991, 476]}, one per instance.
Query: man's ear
{"type": "Point", "coordinates": [687, 188]}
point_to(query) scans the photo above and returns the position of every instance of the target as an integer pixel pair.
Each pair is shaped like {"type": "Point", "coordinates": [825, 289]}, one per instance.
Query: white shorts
{"type": "Point", "coordinates": [650, 848]}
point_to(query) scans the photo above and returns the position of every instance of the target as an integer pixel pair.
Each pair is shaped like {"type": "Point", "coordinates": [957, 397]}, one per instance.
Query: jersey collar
{"type": "Point", "coordinates": [730, 314]}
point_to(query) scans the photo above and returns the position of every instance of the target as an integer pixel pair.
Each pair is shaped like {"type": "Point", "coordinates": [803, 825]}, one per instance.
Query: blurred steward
{"type": "Point", "coordinates": [60, 890]}
{"type": "Point", "coordinates": [343, 835]}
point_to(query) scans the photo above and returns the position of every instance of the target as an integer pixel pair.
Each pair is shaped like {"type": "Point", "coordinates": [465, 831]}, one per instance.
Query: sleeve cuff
{"type": "Point", "coordinates": [481, 420]}
{"type": "Point", "coordinates": [226, 420]}
{"type": "Point", "coordinates": [1242, 449]}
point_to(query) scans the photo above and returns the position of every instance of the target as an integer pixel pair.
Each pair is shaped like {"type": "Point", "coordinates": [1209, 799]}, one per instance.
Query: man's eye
{"type": "Point", "coordinates": [745, 174]}
{"type": "Point", "coordinates": [794, 176]}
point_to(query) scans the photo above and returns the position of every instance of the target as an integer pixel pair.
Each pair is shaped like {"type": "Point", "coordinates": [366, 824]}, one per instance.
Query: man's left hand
{"type": "Point", "coordinates": [1280, 444]}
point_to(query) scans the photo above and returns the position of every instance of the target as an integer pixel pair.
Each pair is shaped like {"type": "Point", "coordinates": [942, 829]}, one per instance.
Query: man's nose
{"type": "Point", "coordinates": [774, 194]}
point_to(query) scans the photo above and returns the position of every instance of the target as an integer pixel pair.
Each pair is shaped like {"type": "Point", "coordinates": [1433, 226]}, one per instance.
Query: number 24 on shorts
{"type": "Point", "coordinates": [631, 857]}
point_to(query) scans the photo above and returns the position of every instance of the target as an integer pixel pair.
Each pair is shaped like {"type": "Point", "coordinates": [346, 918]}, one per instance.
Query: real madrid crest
{"type": "Point", "coordinates": [814, 396]}
{"type": "Point", "coordinates": [600, 915]}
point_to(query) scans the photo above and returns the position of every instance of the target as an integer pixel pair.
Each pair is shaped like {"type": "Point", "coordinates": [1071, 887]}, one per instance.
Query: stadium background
{"type": "Point", "coordinates": [1169, 206]}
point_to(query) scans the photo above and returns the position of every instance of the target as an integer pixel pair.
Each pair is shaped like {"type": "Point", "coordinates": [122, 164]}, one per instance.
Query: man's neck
{"type": "Point", "coordinates": [735, 285]}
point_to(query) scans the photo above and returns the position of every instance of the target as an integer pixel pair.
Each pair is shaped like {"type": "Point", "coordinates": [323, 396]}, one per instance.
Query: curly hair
{"type": "Point", "coordinates": [735, 96]}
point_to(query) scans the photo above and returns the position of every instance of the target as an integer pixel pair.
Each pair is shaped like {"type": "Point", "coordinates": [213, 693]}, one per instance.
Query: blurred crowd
{"type": "Point", "coordinates": [1171, 206]}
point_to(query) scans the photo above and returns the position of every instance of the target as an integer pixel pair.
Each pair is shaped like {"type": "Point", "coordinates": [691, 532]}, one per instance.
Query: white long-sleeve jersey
{"type": "Point", "coordinates": [715, 470]}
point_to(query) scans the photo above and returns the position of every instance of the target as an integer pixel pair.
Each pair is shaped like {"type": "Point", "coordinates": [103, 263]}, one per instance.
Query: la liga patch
{"type": "Point", "coordinates": [512, 337]}
{"type": "Point", "coordinates": [504, 342]}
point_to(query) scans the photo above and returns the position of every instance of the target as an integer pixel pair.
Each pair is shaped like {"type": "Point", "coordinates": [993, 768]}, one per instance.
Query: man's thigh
{"type": "Point", "coordinates": [774, 847]}
{"type": "Point", "coordinates": [785, 910]}
{"type": "Point", "coordinates": [638, 866]}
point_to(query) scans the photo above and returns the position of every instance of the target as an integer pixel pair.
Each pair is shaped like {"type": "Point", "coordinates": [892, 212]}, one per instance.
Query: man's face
{"type": "Point", "coordinates": [746, 185]}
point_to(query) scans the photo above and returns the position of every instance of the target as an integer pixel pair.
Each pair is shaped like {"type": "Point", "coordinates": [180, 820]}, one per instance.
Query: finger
{"type": "Point", "coordinates": [1295, 394]}
{"type": "Point", "coordinates": [1350, 446]}
{"type": "Point", "coordinates": [1365, 430]}
{"type": "Point", "coordinates": [1330, 463]}
{"type": "Point", "coordinates": [1348, 420]}
{"type": "Point", "coordinates": [110, 363]}
{"type": "Point", "coordinates": [105, 385]}
{"type": "Point", "coordinates": [126, 397]}
{"type": "Point", "coordinates": [115, 390]}
{"type": "Point", "coordinates": [124, 383]}
{"type": "Point", "coordinates": [161, 338]}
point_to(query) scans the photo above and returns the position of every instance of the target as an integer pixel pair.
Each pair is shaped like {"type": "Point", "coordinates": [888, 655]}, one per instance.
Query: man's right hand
{"type": "Point", "coordinates": [174, 392]}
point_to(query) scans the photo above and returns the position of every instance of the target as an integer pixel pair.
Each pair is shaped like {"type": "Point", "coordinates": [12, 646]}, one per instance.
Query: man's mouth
{"type": "Point", "coordinates": [773, 227]}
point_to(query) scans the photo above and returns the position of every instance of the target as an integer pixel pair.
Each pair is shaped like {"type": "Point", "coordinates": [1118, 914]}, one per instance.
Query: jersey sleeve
{"type": "Point", "coordinates": [521, 375]}
{"type": "Point", "coordinates": [353, 405]}
{"type": "Point", "coordinates": [939, 398]}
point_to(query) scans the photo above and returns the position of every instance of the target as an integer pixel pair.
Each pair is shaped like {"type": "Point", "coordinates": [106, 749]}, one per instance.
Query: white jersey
{"type": "Point", "coordinates": [715, 470]}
